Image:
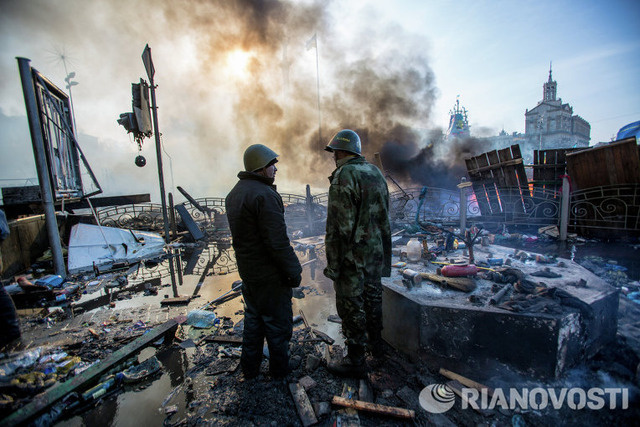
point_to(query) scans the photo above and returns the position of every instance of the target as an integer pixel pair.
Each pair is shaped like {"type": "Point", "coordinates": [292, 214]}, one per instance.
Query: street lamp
{"type": "Point", "coordinates": [70, 84]}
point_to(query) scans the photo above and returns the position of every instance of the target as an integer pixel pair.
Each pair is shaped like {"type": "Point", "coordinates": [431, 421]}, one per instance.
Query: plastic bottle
{"type": "Point", "coordinates": [99, 390]}
{"type": "Point", "coordinates": [414, 250]}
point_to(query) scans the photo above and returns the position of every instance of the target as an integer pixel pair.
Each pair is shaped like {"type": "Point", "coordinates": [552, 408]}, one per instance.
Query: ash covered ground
{"type": "Point", "coordinates": [200, 383]}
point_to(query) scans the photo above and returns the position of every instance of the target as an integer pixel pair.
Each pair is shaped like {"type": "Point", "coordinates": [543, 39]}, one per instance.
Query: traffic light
{"type": "Point", "coordinates": [141, 109]}
{"type": "Point", "coordinates": [139, 122]}
{"type": "Point", "coordinates": [128, 121]}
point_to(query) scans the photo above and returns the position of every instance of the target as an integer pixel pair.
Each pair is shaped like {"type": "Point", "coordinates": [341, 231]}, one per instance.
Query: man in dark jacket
{"type": "Point", "coordinates": [268, 266]}
{"type": "Point", "coordinates": [358, 246]}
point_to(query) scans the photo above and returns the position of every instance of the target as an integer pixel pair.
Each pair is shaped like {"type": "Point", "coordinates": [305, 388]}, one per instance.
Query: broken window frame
{"type": "Point", "coordinates": [63, 153]}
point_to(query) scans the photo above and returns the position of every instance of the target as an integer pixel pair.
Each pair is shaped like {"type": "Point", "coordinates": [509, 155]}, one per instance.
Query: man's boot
{"type": "Point", "coordinates": [375, 349]}
{"type": "Point", "coordinates": [351, 365]}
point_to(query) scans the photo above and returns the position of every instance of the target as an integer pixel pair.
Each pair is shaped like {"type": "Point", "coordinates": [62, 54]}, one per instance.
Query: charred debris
{"type": "Point", "coordinates": [79, 350]}
{"type": "Point", "coordinates": [485, 295]}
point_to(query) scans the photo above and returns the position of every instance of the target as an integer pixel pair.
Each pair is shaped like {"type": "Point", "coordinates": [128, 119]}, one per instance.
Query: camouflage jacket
{"type": "Point", "coordinates": [358, 229]}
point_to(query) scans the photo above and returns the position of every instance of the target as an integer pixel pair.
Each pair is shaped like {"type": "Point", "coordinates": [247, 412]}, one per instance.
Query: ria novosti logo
{"type": "Point", "coordinates": [439, 398]}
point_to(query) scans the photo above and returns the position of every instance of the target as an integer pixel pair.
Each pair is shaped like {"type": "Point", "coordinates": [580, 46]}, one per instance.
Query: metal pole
{"type": "Point", "coordinates": [463, 204]}
{"type": "Point", "coordinates": [41, 165]}
{"type": "Point", "coordinates": [172, 217]}
{"type": "Point", "coordinates": [309, 211]}
{"type": "Point", "coordinates": [165, 218]}
{"type": "Point", "coordinates": [156, 132]}
{"type": "Point", "coordinates": [318, 86]}
{"type": "Point", "coordinates": [564, 208]}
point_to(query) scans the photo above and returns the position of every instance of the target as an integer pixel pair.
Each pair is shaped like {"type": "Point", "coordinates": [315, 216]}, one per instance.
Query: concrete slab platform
{"type": "Point", "coordinates": [462, 332]}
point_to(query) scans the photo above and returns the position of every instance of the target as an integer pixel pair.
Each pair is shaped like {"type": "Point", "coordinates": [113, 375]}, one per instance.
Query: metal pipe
{"type": "Point", "coordinates": [41, 165]}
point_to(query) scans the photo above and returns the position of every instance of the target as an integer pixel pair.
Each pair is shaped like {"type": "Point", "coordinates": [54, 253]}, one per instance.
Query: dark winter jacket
{"type": "Point", "coordinates": [256, 217]}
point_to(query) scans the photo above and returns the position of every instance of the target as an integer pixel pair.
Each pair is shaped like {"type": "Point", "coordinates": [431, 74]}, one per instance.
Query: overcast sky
{"type": "Point", "coordinates": [232, 73]}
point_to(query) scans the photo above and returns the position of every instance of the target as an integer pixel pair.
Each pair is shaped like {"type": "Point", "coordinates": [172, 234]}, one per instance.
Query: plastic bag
{"type": "Point", "coordinates": [201, 318]}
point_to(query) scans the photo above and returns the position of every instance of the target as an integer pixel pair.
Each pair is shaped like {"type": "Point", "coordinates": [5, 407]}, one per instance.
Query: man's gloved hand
{"type": "Point", "coordinates": [294, 282]}
{"type": "Point", "coordinates": [331, 274]}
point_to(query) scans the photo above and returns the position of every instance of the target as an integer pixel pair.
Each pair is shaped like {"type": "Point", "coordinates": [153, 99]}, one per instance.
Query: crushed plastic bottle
{"type": "Point", "coordinates": [202, 318]}
{"type": "Point", "coordinates": [23, 360]}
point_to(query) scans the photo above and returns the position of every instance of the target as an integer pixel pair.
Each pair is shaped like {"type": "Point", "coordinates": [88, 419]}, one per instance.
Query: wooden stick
{"type": "Point", "coordinates": [303, 406]}
{"type": "Point", "coordinates": [374, 407]}
{"type": "Point", "coordinates": [464, 380]}
{"type": "Point", "coordinates": [449, 263]}
{"type": "Point", "coordinates": [461, 283]}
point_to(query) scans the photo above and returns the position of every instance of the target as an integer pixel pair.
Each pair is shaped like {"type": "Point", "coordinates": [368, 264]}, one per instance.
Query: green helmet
{"type": "Point", "coordinates": [345, 140]}
{"type": "Point", "coordinates": [258, 156]}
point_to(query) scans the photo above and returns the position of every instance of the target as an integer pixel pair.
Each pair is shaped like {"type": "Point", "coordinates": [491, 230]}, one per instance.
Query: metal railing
{"type": "Point", "coordinates": [603, 208]}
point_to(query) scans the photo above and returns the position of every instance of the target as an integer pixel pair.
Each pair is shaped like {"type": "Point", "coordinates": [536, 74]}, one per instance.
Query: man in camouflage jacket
{"type": "Point", "coordinates": [358, 247]}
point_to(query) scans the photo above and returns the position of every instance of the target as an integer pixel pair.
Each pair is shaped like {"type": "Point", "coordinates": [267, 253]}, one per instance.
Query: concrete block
{"type": "Point", "coordinates": [443, 328]}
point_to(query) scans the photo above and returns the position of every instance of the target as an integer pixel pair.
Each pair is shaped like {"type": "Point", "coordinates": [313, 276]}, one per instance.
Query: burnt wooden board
{"type": "Point", "coordinates": [303, 405]}
{"type": "Point", "coordinates": [374, 407]}
{"type": "Point", "coordinates": [612, 164]}
{"type": "Point", "coordinates": [498, 176]}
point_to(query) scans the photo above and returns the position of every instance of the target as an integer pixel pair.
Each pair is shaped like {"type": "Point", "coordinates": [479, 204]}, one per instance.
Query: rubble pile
{"type": "Point", "coordinates": [207, 387]}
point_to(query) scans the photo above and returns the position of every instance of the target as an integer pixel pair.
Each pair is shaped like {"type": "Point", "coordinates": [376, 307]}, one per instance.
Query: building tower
{"type": "Point", "coordinates": [550, 88]}
{"type": "Point", "coordinates": [458, 123]}
{"type": "Point", "coordinates": [552, 124]}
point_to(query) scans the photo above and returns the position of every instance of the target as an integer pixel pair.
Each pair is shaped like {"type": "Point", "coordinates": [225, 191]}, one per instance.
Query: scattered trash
{"type": "Point", "coordinates": [142, 371]}
{"type": "Point", "coordinates": [21, 360]}
{"type": "Point", "coordinates": [102, 388]}
{"type": "Point", "coordinates": [202, 318]}
{"type": "Point", "coordinates": [51, 281]}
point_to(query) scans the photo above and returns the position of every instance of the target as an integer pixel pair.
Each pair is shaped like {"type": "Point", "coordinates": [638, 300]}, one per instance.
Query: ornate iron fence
{"type": "Point", "coordinates": [216, 258]}
{"type": "Point", "coordinates": [528, 209]}
{"type": "Point", "coordinates": [606, 208]}
{"type": "Point", "coordinates": [603, 208]}
{"type": "Point", "coordinates": [144, 216]}
{"type": "Point", "coordinates": [426, 204]}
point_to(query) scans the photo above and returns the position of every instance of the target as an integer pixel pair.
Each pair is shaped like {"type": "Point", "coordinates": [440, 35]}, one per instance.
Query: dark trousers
{"type": "Point", "coordinates": [9, 325]}
{"type": "Point", "coordinates": [267, 314]}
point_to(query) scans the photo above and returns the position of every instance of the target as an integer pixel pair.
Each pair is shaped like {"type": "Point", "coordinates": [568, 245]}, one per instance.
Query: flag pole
{"type": "Point", "coordinates": [318, 87]}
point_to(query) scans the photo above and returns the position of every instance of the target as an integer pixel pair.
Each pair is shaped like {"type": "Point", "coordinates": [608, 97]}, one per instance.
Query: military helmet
{"type": "Point", "coordinates": [345, 140]}
{"type": "Point", "coordinates": [258, 156]}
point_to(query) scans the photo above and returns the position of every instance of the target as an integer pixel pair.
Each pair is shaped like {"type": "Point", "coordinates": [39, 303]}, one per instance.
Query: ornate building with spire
{"type": "Point", "coordinates": [552, 124]}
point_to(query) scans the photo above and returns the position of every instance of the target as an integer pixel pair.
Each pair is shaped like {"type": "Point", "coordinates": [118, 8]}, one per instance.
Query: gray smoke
{"type": "Point", "coordinates": [375, 80]}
